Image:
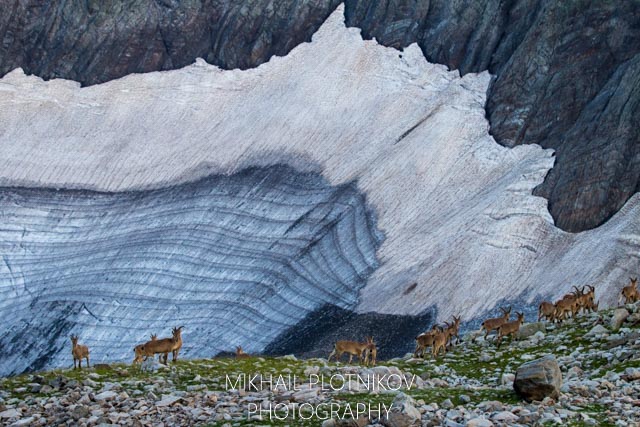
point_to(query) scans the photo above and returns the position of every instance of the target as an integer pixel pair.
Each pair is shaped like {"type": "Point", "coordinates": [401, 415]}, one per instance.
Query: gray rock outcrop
{"type": "Point", "coordinates": [567, 74]}
{"type": "Point", "coordinates": [538, 379]}
{"type": "Point", "coordinates": [403, 412]}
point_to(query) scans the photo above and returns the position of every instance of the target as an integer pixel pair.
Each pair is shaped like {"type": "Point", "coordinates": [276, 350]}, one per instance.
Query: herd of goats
{"type": "Point", "coordinates": [439, 338]}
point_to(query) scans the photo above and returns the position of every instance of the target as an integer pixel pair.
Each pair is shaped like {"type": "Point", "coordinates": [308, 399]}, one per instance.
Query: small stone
{"type": "Point", "coordinates": [464, 398]}
{"type": "Point", "coordinates": [597, 330]}
{"type": "Point", "coordinates": [80, 411]}
{"type": "Point", "coordinates": [485, 357]}
{"type": "Point", "coordinates": [505, 416]}
{"type": "Point", "coordinates": [507, 379]}
{"type": "Point", "coordinates": [632, 374]}
{"type": "Point", "coordinates": [479, 422]}
{"type": "Point", "coordinates": [447, 404]}
{"type": "Point", "coordinates": [10, 413]}
{"type": "Point", "coordinates": [106, 395]}
{"type": "Point", "coordinates": [23, 422]}
{"type": "Point", "coordinates": [168, 400]}
{"type": "Point", "coordinates": [618, 318]}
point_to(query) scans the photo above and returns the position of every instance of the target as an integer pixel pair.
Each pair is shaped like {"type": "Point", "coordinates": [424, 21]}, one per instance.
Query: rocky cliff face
{"type": "Point", "coordinates": [176, 150]}
{"type": "Point", "coordinates": [566, 77]}
{"type": "Point", "coordinates": [559, 66]}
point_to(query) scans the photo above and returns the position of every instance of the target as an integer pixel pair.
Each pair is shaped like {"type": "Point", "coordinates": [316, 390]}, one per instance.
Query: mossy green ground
{"type": "Point", "coordinates": [461, 361]}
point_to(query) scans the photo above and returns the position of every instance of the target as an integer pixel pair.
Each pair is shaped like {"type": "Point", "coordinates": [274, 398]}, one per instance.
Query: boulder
{"type": "Point", "coordinates": [530, 329]}
{"type": "Point", "coordinates": [618, 318]}
{"type": "Point", "coordinates": [403, 412]}
{"type": "Point", "coordinates": [538, 379]}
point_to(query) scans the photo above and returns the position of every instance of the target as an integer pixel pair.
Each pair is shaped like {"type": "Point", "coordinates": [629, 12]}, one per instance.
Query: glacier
{"type": "Point", "coordinates": [441, 217]}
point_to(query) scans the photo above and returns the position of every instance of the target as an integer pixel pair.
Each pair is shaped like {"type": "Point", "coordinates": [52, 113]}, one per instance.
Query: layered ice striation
{"type": "Point", "coordinates": [462, 230]}
{"type": "Point", "coordinates": [236, 259]}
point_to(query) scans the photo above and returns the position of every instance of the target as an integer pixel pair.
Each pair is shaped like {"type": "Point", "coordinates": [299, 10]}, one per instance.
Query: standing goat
{"type": "Point", "coordinates": [353, 348]}
{"type": "Point", "coordinates": [423, 341]}
{"type": "Point", "coordinates": [370, 353]}
{"type": "Point", "coordinates": [453, 331]}
{"type": "Point", "coordinates": [177, 342]}
{"type": "Point", "coordinates": [79, 352]}
{"type": "Point", "coordinates": [546, 310]}
{"type": "Point", "coordinates": [439, 343]}
{"type": "Point", "coordinates": [240, 354]}
{"type": "Point", "coordinates": [587, 300]}
{"type": "Point", "coordinates": [494, 323]}
{"type": "Point", "coordinates": [630, 292]}
{"type": "Point", "coordinates": [510, 328]}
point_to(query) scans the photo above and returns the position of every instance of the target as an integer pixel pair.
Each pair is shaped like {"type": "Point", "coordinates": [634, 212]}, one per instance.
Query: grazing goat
{"type": "Point", "coordinates": [630, 292]}
{"type": "Point", "coordinates": [546, 311]}
{"type": "Point", "coordinates": [240, 354]}
{"type": "Point", "coordinates": [162, 346]}
{"type": "Point", "coordinates": [567, 305]}
{"type": "Point", "coordinates": [494, 323]}
{"type": "Point", "coordinates": [353, 348]}
{"type": "Point", "coordinates": [510, 328]}
{"type": "Point", "coordinates": [79, 352]}
{"type": "Point", "coordinates": [140, 351]}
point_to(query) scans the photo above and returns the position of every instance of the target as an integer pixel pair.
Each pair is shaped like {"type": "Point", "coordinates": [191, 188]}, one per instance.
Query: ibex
{"type": "Point", "coordinates": [370, 353]}
{"type": "Point", "coordinates": [140, 351]}
{"type": "Point", "coordinates": [567, 305]}
{"type": "Point", "coordinates": [510, 328]}
{"type": "Point", "coordinates": [162, 346]}
{"type": "Point", "coordinates": [546, 311]}
{"type": "Point", "coordinates": [587, 300]}
{"type": "Point", "coordinates": [439, 343]}
{"type": "Point", "coordinates": [177, 342]}
{"type": "Point", "coordinates": [240, 354]}
{"type": "Point", "coordinates": [453, 330]}
{"type": "Point", "coordinates": [423, 341]}
{"type": "Point", "coordinates": [353, 348]}
{"type": "Point", "coordinates": [493, 324]}
{"type": "Point", "coordinates": [630, 292]}
{"type": "Point", "coordinates": [79, 352]}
